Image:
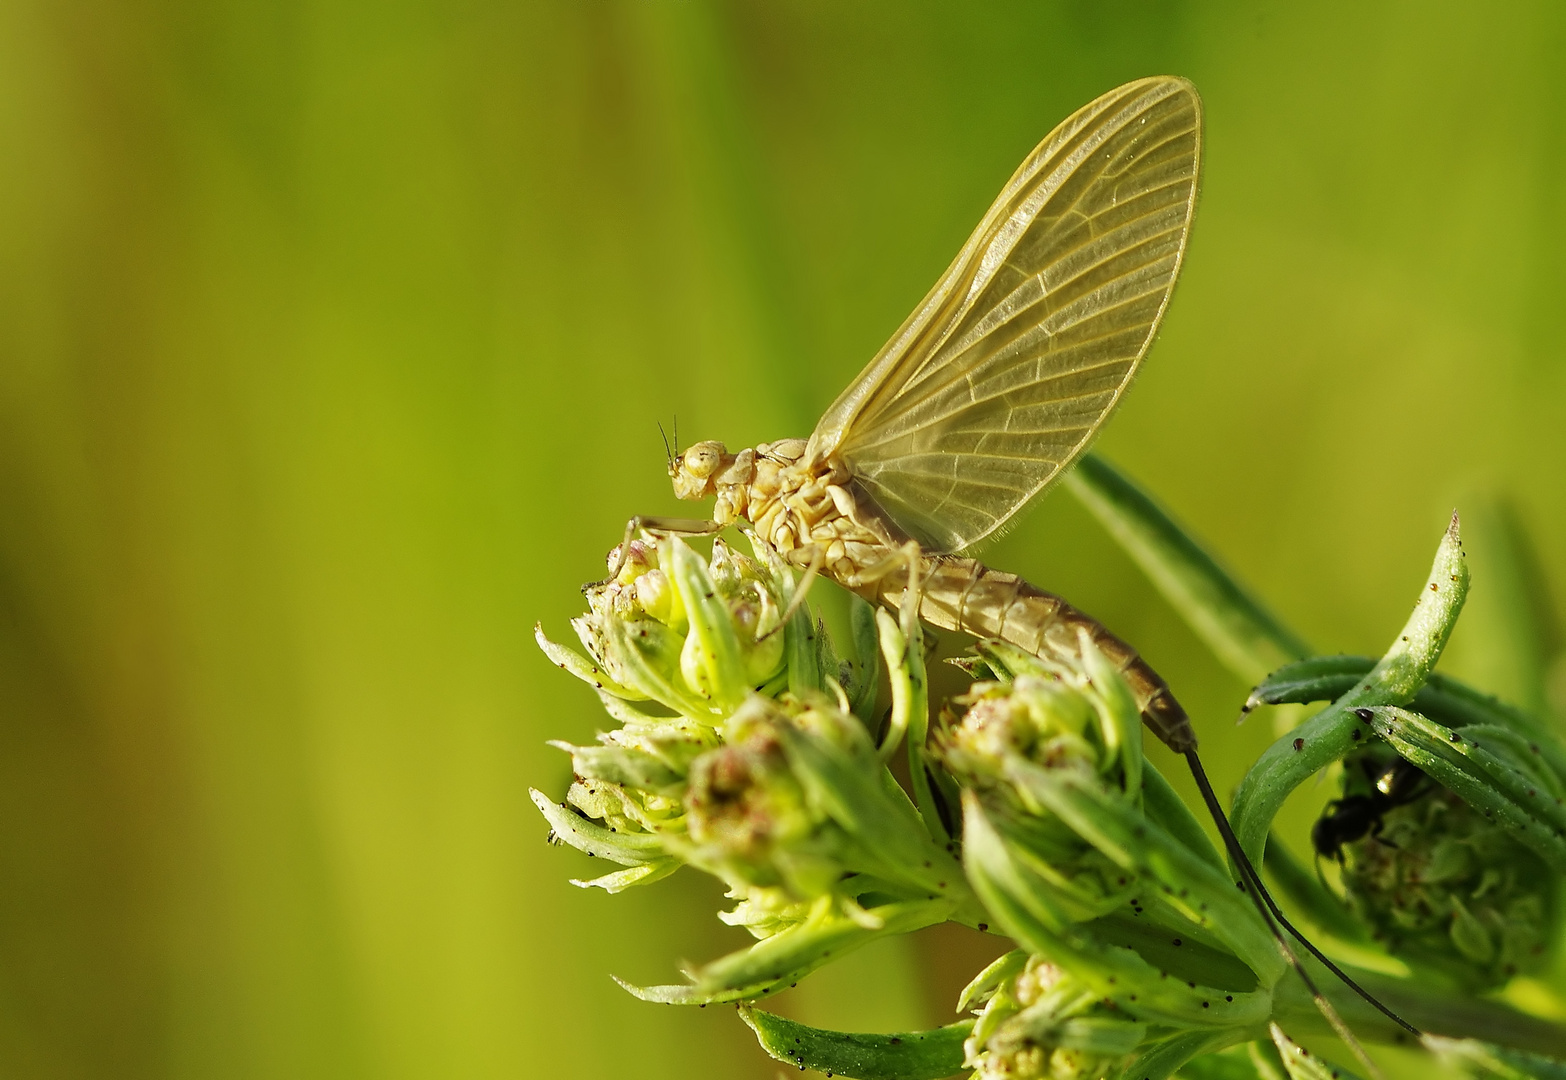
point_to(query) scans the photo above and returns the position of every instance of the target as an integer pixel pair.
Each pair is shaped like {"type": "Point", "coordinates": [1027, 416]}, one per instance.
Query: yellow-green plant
{"type": "Point", "coordinates": [745, 747]}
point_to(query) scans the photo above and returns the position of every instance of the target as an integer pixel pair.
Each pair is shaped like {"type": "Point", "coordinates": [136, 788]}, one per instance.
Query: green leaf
{"type": "Point", "coordinates": [1119, 718]}
{"type": "Point", "coordinates": [1234, 1063]}
{"type": "Point", "coordinates": [1443, 698]}
{"type": "Point", "coordinates": [862, 798]}
{"type": "Point", "coordinates": [1518, 803]}
{"type": "Point", "coordinates": [621, 765]}
{"type": "Point", "coordinates": [642, 649]}
{"type": "Point", "coordinates": [1301, 1063]}
{"type": "Point", "coordinates": [1334, 731]}
{"type": "Point", "coordinates": [620, 880]}
{"type": "Point", "coordinates": [777, 962]}
{"type": "Point", "coordinates": [914, 1055]}
{"type": "Point", "coordinates": [1161, 803]}
{"type": "Point", "coordinates": [984, 983]}
{"type": "Point", "coordinates": [627, 849]}
{"type": "Point", "coordinates": [902, 648]}
{"type": "Point", "coordinates": [711, 662]}
{"type": "Point", "coordinates": [1191, 884]}
{"type": "Point", "coordinates": [1117, 973]}
{"type": "Point", "coordinates": [1315, 678]}
{"type": "Point", "coordinates": [867, 660]}
{"type": "Point", "coordinates": [1162, 1059]}
{"type": "Point", "coordinates": [1235, 625]}
{"type": "Point", "coordinates": [569, 660]}
{"type": "Point", "coordinates": [1198, 956]}
{"type": "Point", "coordinates": [1490, 1062]}
{"type": "Point", "coordinates": [802, 655]}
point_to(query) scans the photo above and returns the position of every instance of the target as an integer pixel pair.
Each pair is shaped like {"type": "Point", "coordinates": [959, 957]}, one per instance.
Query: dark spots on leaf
{"type": "Point", "coordinates": [1365, 714]}
{"type": "Point", "coordinates": [1177, 941]}
{"type": "Point", "coordinates": [984, 928]}
{"type": "Point", "coordinates": [1355, 735]}
{"type": "Point", "coordinates": [1228, 997]}
{"type": "Point", "coordinates": [1299, 744]}
{"type": "Point", "coordinates": [1455, 737]}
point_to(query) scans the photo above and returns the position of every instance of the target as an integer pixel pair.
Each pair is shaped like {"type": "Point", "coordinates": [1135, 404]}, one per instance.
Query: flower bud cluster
{"type": "Point", "coordinates": [672, 629]}
{"type": "Point", "coordinates": [1020, 738]}
{"type": "Point", "coordinates": [1041, 1024]}
{"type": "Point", "coordinates": [717, 764]}
{"type": "Point", "coordinates": [1448, 890]}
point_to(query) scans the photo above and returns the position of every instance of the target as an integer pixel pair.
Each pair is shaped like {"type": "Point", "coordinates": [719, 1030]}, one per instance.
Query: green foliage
{"type": "Point", "coordinates": [1136, 954]}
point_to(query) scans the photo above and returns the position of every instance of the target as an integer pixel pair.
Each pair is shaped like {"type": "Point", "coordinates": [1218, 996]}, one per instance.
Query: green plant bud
{"type": "Point", "coordinates": [748, 817]}
{"type": "Point", "coordinates": [1041, 1024]}
{"type": "Point", "coordinates": [1014, 747]}
{"type": "Point", "coordinates": [1038, 719]}
{"type": "Point", "coordinates": [1449, 890]}
{"type": "Point", "coordinates": [635, 779]}
{"type": "Point", "coordinates": [693, 635]}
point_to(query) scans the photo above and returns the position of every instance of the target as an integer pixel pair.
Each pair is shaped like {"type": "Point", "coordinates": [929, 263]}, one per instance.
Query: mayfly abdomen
{"type": "Point", "coordinates": [966, 595]}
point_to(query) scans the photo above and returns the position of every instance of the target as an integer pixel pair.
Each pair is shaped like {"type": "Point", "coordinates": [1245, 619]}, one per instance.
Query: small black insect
{"type": "Point", "coordinates": [1353, 816]}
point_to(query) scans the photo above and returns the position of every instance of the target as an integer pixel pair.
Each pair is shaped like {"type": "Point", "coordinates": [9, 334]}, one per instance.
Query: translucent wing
{"type": "Point", "coordinates": [1001, 378]}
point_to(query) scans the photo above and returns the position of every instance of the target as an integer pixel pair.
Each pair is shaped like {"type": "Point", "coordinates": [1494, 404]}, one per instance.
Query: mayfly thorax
{"type": "Point", "coordinates": [987, 394]}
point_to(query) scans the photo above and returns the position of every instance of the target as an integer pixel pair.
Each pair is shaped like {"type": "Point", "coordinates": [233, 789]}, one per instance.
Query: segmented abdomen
{"type": "Point", "coordinates": [966, 595]}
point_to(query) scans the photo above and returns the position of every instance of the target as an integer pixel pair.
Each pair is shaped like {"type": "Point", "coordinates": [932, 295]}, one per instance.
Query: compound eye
{"type": "Point", "coordinates": [702, 459]}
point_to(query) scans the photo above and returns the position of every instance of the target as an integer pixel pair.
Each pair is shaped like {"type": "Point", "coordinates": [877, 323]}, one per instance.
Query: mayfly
{"type": "Point", "coordinates": [985, 395]}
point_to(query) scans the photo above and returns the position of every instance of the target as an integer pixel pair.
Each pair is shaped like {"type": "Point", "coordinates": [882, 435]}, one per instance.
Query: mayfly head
{"type": "Point", "coordinates": [694, 472]}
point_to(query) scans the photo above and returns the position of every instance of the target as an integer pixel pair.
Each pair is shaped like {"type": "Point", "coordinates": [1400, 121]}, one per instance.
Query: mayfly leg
{"type": "Point", "coordinates": [663, 526]}
{"type": "Point", "coordinates": [908, 556]}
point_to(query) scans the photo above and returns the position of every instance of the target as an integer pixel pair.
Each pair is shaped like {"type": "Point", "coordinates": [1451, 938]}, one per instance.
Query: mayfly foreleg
{"type": "Point", "coordinates": [661, 526]}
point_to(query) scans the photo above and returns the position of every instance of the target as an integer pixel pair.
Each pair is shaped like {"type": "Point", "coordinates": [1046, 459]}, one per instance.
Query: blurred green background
{"type": "Point", "coordinates": [332, 340]}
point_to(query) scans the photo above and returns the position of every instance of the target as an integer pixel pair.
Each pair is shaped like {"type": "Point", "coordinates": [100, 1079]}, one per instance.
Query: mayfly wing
{"type": "Point", "coordinates": [1001, 378]}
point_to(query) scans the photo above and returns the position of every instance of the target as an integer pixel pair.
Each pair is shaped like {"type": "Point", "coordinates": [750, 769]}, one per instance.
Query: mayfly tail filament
{"type": "Point", "coordinates": [1274, 917]}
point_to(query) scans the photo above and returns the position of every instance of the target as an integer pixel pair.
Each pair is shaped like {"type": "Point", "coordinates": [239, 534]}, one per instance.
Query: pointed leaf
{"type": "Point", "coordinates": [914, 1055]}
{"type": "Point", "coordinates": [1301, 1063]}
{"type": "Point", "coordinates": [627, 849]}
{"type": "Point", "coordinates": [1334, 731]}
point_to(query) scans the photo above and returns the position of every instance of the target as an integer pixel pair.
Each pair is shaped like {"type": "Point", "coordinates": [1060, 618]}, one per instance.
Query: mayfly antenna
{"type": "Point", "coordinates": [668, 451]}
